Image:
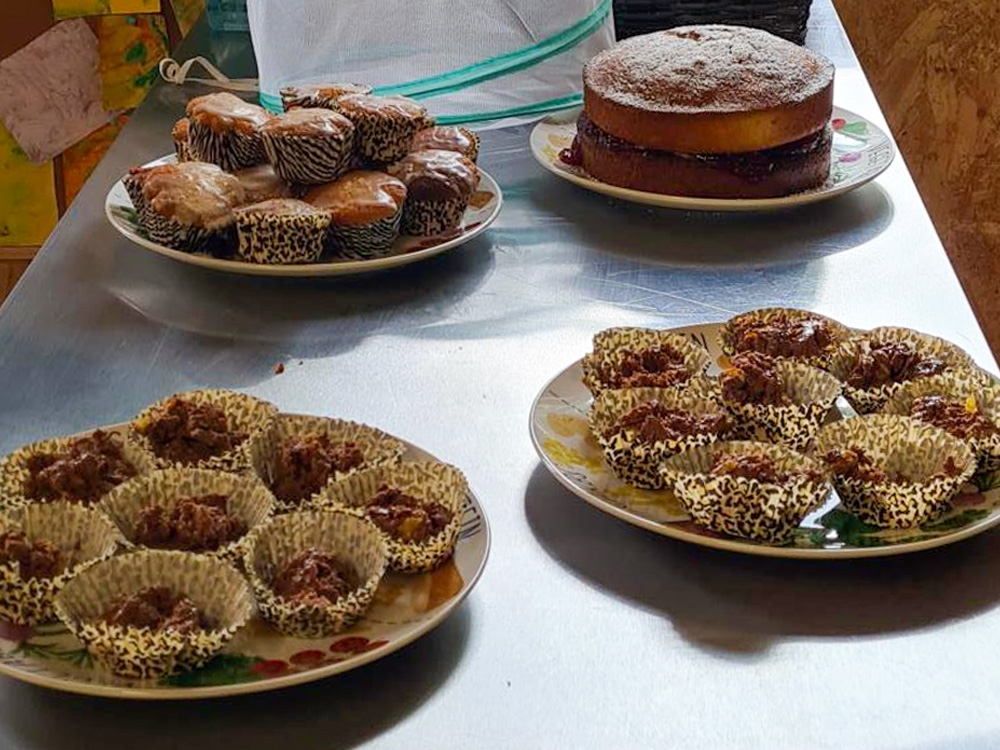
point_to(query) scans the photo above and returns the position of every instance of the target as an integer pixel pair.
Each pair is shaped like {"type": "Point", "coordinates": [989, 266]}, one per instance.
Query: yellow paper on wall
{"type": "Point", "coordinates": [187, 13]}
{"type": "Point", "coordinates": [79, 160]}
{"type": "Point", "coordinates": [28, 210]}
{"type": "Point", "coordinates": [130, 49]}
{"type": "Point", "coordinates": [74, 8]}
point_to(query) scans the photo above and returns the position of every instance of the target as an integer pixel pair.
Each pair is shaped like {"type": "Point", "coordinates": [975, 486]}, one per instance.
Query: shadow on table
{"type": "Point", "coordinates": [690, 238]}
{"type": "Point", "coordinates": [738, 605]}
{"type": "Point", "coordinates": [340, 712]}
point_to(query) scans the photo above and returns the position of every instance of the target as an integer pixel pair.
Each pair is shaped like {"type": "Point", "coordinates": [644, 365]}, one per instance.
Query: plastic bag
{"type": "Point", "coordinates": [466, 60]}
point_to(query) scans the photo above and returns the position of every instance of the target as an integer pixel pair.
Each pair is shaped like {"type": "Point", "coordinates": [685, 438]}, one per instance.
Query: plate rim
{"type": "Point", "coordinates": [732, 545]}
{"type": "Point", "coordinates": [445, 610]}
{"type": "Point", "coordinates": [304, 270]}
{"type": "Point", "coordinates": [735, 205]}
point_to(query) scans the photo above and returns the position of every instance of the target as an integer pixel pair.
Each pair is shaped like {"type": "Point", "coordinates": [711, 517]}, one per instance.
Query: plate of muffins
{"type": "Point", "coordinates": [713, 118]}
{"type": "Point", "coordinates": [780, 433]}
{"type": "Point", "coordinates": [341, 182]}
{"type": "Point", "coordinates": [214, 546]}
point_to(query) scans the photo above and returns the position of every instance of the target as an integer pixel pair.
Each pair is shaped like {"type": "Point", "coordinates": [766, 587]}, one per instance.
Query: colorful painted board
{"type": "Point", "coordinates": [28, 208]}
{"type": "Point", "coordinates": [79, 160]}
{"type": "Point", "coordinates": [130, 48]}
{"type": "Point", "coordinates": [75, 8]}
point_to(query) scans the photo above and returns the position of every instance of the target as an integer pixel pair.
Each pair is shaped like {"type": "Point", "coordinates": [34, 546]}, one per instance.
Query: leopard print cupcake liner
{"type": "Point", "coordinates": [610, 345]}
{"type": "Point", "coordinates": [898, 444]}
{"type": "Point", "coordinates": [230, 150]}
{"type": "Point", "coordinates": [812, 393]}
{"type": "Point", "coordinates": [291, 98]}
{"type": "Point", "coordinates": [248, 499]}
{"type": "Point", "coordinates": [377, 447]}
{"type": "Point", "coordinates": [309, 160]}
{"type": "Point", "coordinates": [216, 588]}
{"type": "Point", "coordinates": [428, 218]}
{"type": "Point", "coordinates": [382, 139]}
{"type": "Point", "coordinates": [14, 474]}
{"type": "Point", "coordinates": [83, 535]}
{"type": "Point", "coordinates": [353, 539]}
{"type": "Point", "coordinates": [973, 388]}
{"type": "Point", "coordinates": [840, 332]}
{"type": "Point", "coordinates": [429, 481]}
{"type": "Point", "coordinates": [373, 240]}
{"type": "Point", "coordinates": [635, 461]}
{"type": "Point", "coordinates": [246, 414]}
{"type": "Point", "coordinates": [473, 137]}
{"type": "Point", "coordinates": [741, 507]}
{"type": "Point", "coordinates": [869, 400]}
{"type": "Point", "coordinates": [281, 240]}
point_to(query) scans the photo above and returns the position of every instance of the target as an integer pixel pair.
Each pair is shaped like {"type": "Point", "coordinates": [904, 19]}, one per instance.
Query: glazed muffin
{"type": "Point", "coordinates": [627, 357]}
{"type": "Point", "coordinates": [784, 333]}
{"type": "Point", "coordinates": [365, 209]}
{"type": "Point", "coordinates": [308, 146]}
{"type": "Point", "coordinates": [72, 469]}
{"type": "Point", "coordinates": [281, 231]}
{"type": "Point", "coordinates": [323, 95]}
{"type": "Point", "coordinates": [41, 548]}
{"type": "Point", "coordinates": [225, 130]}
{"type": "Point", "coordinates": [151, 613]}
{"type": "Point", "coordinates": [893, 471]}
{"type": "Point", "coordinates": [385, 125]}
{"type": "Point", "coordinates": [182, 147]}
{"type": "Point", "coordinates": [447, 138]}
{"type": "Point", "coordinates": [262, 183]}
{"type": "Point", "coordinates": [756, 491]}
{"type": "Point", "coordinates": [186, 205]}
{"type": "Point", "coordinates": [439, 185]}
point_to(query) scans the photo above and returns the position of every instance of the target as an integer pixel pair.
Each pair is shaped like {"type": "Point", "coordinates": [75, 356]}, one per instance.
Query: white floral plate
{"type": "Point", "coordinates": [259, 659]}
{"type": "Point", "coordinates": [561, 436]}
{"type": "Point", "coordinates": [861, 152]}
{"type": "Point", "coordinates": [483, 211]}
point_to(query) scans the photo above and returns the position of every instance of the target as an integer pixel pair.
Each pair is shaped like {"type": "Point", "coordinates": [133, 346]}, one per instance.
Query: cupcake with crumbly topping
{"type": "Point", "coordinates": [365, 210]}
{"type": "Point", "coordinates": [324, 95]}
{"type": "Point", "coordinates": [281, 231]}
{"type": "Point", "coordinates": [626, 357]}
{"type": "Point", "coordinates": [439, 185]}
{"type": "Point", "coordinates": [225, 130]}
{"type": "Point", "coordinates": [309, 146]}
{"type": "Point", "coordinates": [784, 333]}
{"type": "Point", "coordinates": [447, 138]}
{"type": "Point", "coordinates": [385, 125]}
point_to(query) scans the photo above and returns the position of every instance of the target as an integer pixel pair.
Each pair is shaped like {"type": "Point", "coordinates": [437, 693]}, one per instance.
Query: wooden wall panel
{"type": "Point", "coordinates": [935, 68]}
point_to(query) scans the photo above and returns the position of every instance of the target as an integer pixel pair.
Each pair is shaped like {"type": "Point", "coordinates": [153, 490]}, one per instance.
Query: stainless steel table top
{"type": "Point", "coordinates": [584, 632]}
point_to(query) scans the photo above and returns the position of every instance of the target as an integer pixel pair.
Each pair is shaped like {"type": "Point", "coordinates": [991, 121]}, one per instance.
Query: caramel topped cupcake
{"type": "Point", "coordinates": [318, 94]}
{"type": "Point", "coordinates": [261, 183]}
{"type": "Point", "coordinates": [784, 333]}
{"type": "Point", "coordinates": [439, 185]}
{"type": "Point", "coordinates": [225, 130]}
{"type": "Point", "coordinates": [365, 208]}
{"type": "Point", "coordinates": [309, 146]}
{"type": "Point", "coordinates": [385, 124]}
{"type": "Point", "coordinates": [179, 133]}
{"type": "Point", "coordinates": [281, 231]}
{"type": "Point", "coordinates": [447, 138]}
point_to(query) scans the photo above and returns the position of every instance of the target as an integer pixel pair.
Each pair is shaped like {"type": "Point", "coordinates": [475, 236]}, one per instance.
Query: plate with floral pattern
{"type": "Point", "coordinates": [561, 436]}
{"type": "Point", "coordinates": [484, 208]}
{"type": "Point", "coordinates": [259, 658]}
{"type": "Point", "coordinates": [861, 152]}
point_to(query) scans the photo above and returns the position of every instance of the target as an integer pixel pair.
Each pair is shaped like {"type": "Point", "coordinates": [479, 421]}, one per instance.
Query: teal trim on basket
{"type": "Point", "coordinates": [271, 103]}
{"type": "Point", "coordinates": [539, 108]}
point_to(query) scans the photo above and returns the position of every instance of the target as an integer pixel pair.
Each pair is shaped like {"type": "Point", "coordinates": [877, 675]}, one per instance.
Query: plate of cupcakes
{"type": "Point", "coordinates": [712, 118]}
{"type": "Point", "coordinates": [780, 433]}
{"type": "Point", "coordinates": [213, 546]}
{"type": "Point", "coordinates": [341, 182]}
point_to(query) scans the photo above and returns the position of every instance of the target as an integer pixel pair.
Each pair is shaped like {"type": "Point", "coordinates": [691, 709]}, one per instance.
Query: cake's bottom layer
{"type": "Point", "coordinates": [772, 173]}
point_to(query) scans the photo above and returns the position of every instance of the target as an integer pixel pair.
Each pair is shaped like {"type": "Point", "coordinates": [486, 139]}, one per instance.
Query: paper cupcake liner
{"type": "Point", "coordinates": [14, 474]}
{"type": "Point", "coordinates": [353, 539]}
{"type": "Point", "coordinates": [812, 393]}
{"type": "Point", "coordinates": [84, 535]}
{"type": "Point", "coordinates": [898, 444]}
{"type": "Point", "coordinates": [742, 507]}
{"type": "Point", "coordinates": [377, 447]}
{"type": "Point", "coordinates": [183, 150]}
{"type": "Point", "coordinates": [958, 385]}
{"type": "Point", "coordinates": [870, 400]}
{"type": "Point", "coordinates": [133, 186]}
{"type": "Point", "coordinates": [381, 139]}
{"type": "Point", "coordinates": [839, 331]}
{"type": "Point", "coordinates": [610, 343]}
{"type": "Point", "coordinates": [290, 98]}
{"type": "Point", "coordinates": [229, 150]}
{"type": "Point", "coordinates": [309, 160]}
{"type": "Point", "coordinates": [427, 218]}
{"type": "Point", "coordinates": [373, 240]}
{"type": "Point", "coordinates": [430, 481]}
{"type": "Point", "coordinates": [172, 233]}
{"type": "Point", "coordinates": [249, 500]}
{"type": "Point", "coordinates": [216, 588]}
{"type": "Point", "coordinates": [244, 413]}
{"type": "Point", "coordinates": [281, 240]}
{"type": "Point", "coordinates": [637, 462]}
